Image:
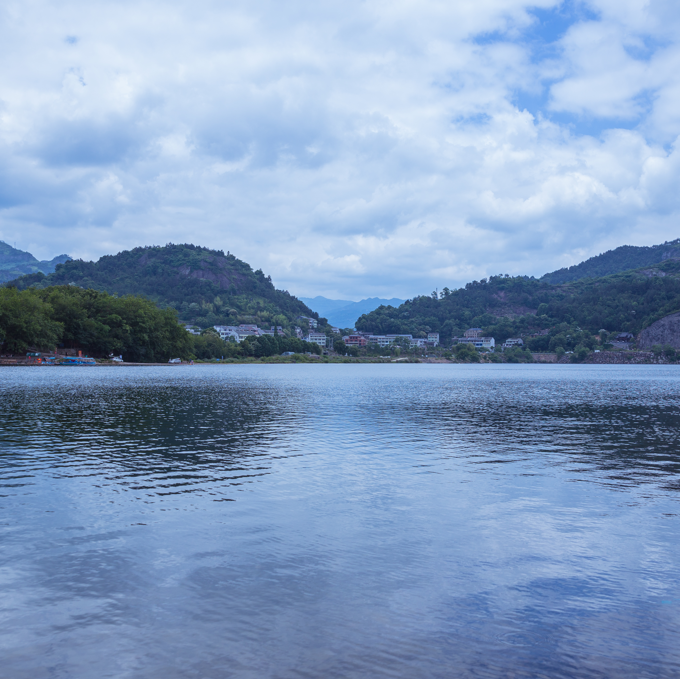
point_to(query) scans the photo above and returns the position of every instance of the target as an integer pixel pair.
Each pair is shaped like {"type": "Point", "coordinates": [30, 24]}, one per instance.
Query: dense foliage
{"type": "Point", "coordinates": [621, 259]}
{"type": "Point", "coordinates": [101, 324]}
{"type": "Point", "coordinates": [561, 315]}
{"type": "Point", "coordinates": [209, 345]}
{"type": "Point", "coordinates": [94, 321]}
{"type": "Point", "coordinates": [205, 287]}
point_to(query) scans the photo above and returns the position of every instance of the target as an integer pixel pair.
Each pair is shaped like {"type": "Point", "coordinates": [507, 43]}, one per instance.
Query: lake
{"type": "Point", "coordinates": [253, 521]}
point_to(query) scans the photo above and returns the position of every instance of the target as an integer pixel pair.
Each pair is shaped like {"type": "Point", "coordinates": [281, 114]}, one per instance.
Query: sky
{"type": "Point", "coordinates": [349, 149]}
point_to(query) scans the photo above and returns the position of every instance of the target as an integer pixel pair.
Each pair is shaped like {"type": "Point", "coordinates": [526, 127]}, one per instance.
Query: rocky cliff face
{"type": "Point", "coordinates": [216, 270]}
{"type": "Point", "coordinates": [664, 331]}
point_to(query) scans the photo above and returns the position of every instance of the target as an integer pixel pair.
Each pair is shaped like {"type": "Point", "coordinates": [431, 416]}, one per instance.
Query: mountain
{"type": "Point", "coordinates": [14, 263]}
{"type": "Point", "coordinates": [506, 307]}
{"type": "Point", "coordinates": [344, 313]}
{"type": "Point", "coordinates": [324, 305]}
{"type": "Point", "coordinates": [621, 259]}
{"type": "Point", "coordinates": [206, 287]}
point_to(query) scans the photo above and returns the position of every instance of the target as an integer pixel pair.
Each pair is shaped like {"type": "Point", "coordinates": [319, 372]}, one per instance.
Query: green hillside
{"type": "Point", "coordinates": [621, 259]}
{"type": "Point", "coordinates": [68, 317]}
{"type": "Point", "coordinates": [14, 263]}
{"type": "Point", "coordinates": [205, 287]}
{"type": "Point", "coordinates": [506, 306]}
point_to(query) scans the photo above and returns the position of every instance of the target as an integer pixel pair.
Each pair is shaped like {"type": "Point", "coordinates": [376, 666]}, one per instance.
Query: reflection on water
{"type": "Point", "coordinates": [339, 521]}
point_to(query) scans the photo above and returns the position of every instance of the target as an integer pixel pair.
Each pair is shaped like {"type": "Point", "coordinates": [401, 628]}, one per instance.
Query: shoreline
{"type": "Point", "coordinates": [601, 358]}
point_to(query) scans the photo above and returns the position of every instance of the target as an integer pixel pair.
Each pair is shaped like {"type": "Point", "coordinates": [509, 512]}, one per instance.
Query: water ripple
{"type": "Point", "coordinates": [340, 521]}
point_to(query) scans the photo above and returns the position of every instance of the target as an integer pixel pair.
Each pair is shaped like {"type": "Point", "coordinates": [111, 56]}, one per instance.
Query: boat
{"type": "Point", "coordinates": [75, 360]}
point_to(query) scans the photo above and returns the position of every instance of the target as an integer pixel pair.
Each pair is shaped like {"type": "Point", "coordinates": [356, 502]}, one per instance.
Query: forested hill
{"type": "Point", "coordinates": [621, 259]}
{"type": "Point", "coordinates": [15, 263]}
{"type": "Point", "coordinates": [508, 307]}
{"type": "Point", "coordinates": [205, 286]}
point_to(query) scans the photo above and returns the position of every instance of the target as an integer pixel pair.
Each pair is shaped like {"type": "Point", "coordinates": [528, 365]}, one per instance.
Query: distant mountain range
{"type": "Point", "coordinates": [344, 313]}
{"type": "Point", "coordinates": [15, 263]}
{"type": "Point", "coordinates": [208, 287]}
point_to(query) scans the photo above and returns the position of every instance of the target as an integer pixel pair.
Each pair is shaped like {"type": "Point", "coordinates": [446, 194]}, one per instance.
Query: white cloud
{"type": "Point", "coordinates": [354, 149]}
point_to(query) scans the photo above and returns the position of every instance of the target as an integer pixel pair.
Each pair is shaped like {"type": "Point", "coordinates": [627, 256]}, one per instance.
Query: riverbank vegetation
{"type": "Point", "coordinates": [95, 322]}
{"type": "Point", "coordinates": [551, 316]}
{"type": "Point", "coordinates": [100, 325]}
{"type": "Point", "coordinates": [205, 287]}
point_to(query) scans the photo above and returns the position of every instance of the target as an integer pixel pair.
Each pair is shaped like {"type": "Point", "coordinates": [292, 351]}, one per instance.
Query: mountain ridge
{"type": "Point", "coordinates": [618, 260]}
{"type": "Point", "coordinates": [204, 286]}
{"type": "Point", "coordinates": [345, 313]}
{"type": "Point", "coordinates": [523, 306]}
{"type": "Point", "coordinates": [15, 263]}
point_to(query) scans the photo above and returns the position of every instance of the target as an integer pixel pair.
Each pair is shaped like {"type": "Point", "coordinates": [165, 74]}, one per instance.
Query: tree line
{"type": "Point", "coordinates": [209, 345]}
{"type": "Point", "coordinates": [204, 286]}
{"type": "Point", "coordinates": [98, 323]}
{"type": "Point", "coordinates": [520, 306]}
{"type": "Point", "coordinates": [101, 324]}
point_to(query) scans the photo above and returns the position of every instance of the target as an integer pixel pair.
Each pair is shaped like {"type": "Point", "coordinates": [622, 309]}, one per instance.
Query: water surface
{"type": "Point", "coordinates": [339, 521]}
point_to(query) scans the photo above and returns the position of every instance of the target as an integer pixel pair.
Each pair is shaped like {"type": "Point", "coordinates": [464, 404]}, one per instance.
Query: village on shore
{"type": "Point", "coordinates": [352, 346]}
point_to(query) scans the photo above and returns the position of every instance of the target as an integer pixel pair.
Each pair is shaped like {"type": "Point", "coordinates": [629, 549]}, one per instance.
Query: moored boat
{"type": "Point", "coordinates": [75, 360]}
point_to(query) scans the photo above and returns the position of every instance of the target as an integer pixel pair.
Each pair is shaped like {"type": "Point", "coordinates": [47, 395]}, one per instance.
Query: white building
{"type": "Point", "coordinates": [417, 342]}
{"type": "Point", "coordinates": [279, 331]}
{"type": "Point", "coordinates": [192, 329]}
{"type": "Point", "coordinates": [313, 323]}
{"type": "Point", "coordinates": [238, 333]}
{"type": "Point", "coordinates": [317, 338]}
{"type": "Point", "coordinates": [488, 343]}
{"type": "Point", "coordinates": [227, 331]}
{"type": "Point", "coordinates": [513, 342]}
{"type": "Point", "coordinates": [433, 337]}
{"type": "Point", "coordinates": [380, 340]}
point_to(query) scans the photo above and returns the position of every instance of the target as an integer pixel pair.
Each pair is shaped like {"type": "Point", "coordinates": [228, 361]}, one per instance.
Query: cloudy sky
{"type": "Point", "coordinates": [349, 149]}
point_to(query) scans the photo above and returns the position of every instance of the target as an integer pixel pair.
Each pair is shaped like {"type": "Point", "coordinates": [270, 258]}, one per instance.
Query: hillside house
{"type": "Point", "coordinates": [488, 343]}
{"type": "Point", "coordinates": [354, 340]}
{"type": "Point", "coordinates": [317, 338]}
{"type": "Point", "coordinates": [312, 323]}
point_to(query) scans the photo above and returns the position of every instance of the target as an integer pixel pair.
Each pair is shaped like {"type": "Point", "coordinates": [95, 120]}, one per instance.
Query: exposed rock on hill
{"type": "Point", "coordinates": [664, 331]}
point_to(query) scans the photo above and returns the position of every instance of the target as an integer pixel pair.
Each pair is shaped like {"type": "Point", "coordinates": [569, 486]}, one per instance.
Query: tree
{"type": "Point", "coordinates": [517, 355]}
{"type": "Point", "coordinates": [580, 354]}
{"type": "Point", "coordinates": [26, 321]}
{"type": "Point", "coordinates": [266, 345]}
{"type": "Point", "coordinates": [466, 352]}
